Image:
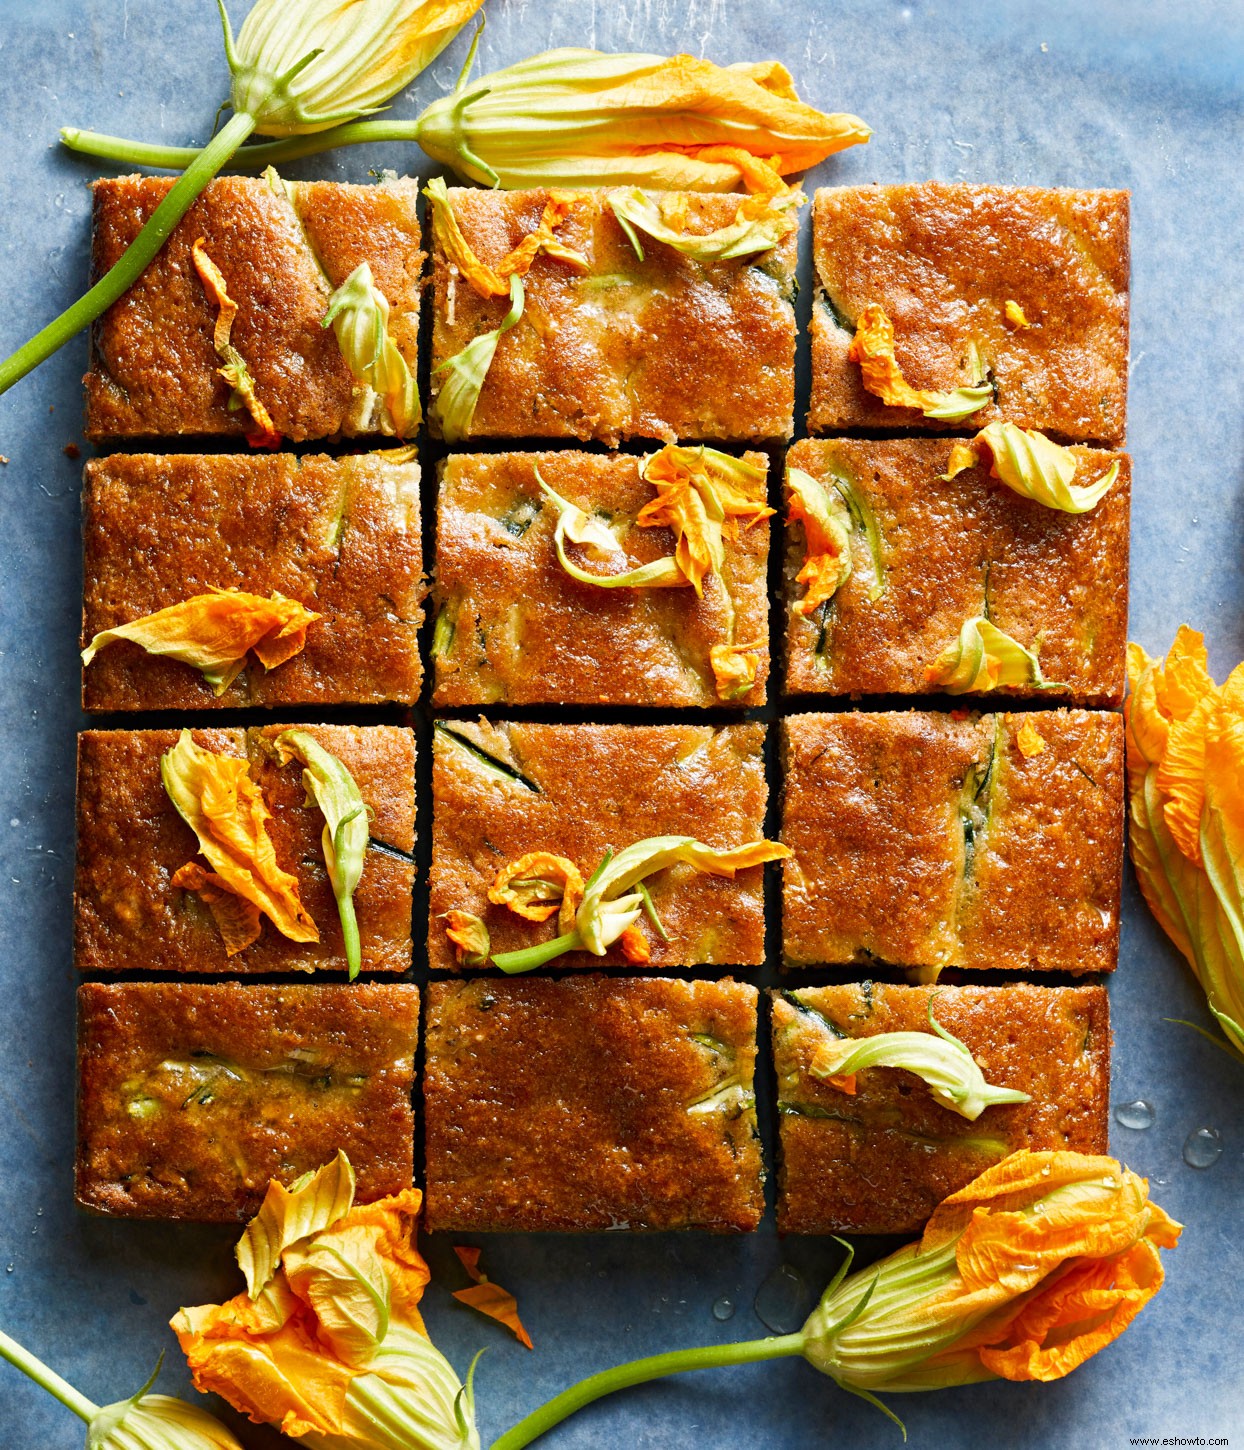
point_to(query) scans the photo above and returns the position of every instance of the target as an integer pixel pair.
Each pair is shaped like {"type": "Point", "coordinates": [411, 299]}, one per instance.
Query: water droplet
{"type": "Point", "coordinates": [1138, 1114]}
{"type": "Point", "coordinates": [8, 1268]}
{"type": "Point", "coordinates": [1203, 1148]}
{"type": "Point", "coordinates": [1161, 1182]}
{"type": "Point", "coordinates": [782, 1302]}
{"type": "Point", "coordinates": [723, 1309]}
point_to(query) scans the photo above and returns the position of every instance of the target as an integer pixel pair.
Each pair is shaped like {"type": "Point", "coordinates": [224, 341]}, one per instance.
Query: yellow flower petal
{"type": "Point", "coordinates": [873, 348]}
{"type": "Point", "coordinates": [494, 282]}
{"type": "Point", "coordinates": [734, 667]}
{"type": "Point", "coordinates": [489, 1298]}
{"type": "Point", "coordinates": [262, 432]}
{"type": "Point", "coordinates": [469, 935]}
{"type": "Point", "coordinates": [1016, 319]}
{"type": "Point", "coordinates": [222, 805]}
{"type": "Point", "coordinates": [1033, 466]}
{"type": "Point", "coordinates": [634, 946]}
{"type": "Point", "coordinates": [1029, 740]}
{"type": "Point", "coordinates": [286, 1215]}
{"type": "Point", "coordinates": [984, 658]}
{"type": "Point", "coordinates": [827, 538]}
{"type": "Point", "coordinates": [538, 885]}
{"type": "Point", "coordinates": [214, 631]}
{"type": "Point", "coordinates": [588, 118]}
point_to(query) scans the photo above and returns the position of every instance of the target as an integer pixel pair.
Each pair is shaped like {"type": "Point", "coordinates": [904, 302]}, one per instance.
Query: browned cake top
{"type": "Point", "coordinates": [949, 551]}
{"type": "Point", "coordinates": [925, 839]}
{"type": "Point", "coordinates": [664, 348]}
{"type": "Point", "coordinates": [591, 1103]}
{"type": "Point", "coordinates": [943, 259]}
{"type": "Point", "coordinates": [517, 628]}
{"type": "Point", "coordinates": [190, 1098]}
{"type": "Point", "coordinates": [580, 790]}
{"type": "Point", "coordinates": [339, 535]}
{"type": "Point", "coordinates": [881, 1161]}
{"type": "Point", "coordinates": [131, 841]}
{"type": "Point", "coordinates": [153, 366]}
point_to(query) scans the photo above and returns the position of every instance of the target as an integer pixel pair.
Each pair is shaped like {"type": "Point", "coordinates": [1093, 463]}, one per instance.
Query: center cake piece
{"type": "Point", "coordinates": [524, 816]}
{"type": "Point", "coordinates": [247, 888]}
{"type": "Point", "coordinates": [591, 1103]}
{"type": "Point", "coordinates": [617, 334]}
{"type": "Point", "coordinates": [275, 310]}
{"type": "Point", "coordinates": [927, 840]}
{"type": "Point", "coordinates": [528, 615]}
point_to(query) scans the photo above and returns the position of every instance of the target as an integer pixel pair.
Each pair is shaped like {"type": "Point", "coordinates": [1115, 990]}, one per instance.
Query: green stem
{"type": "Point", "coordinates": [637, 1372]}
{"type": "Point", "coordinates": [48, 1379]}
{"type": "Point", "coordinates": [350, 933]}
{"type": "Point", "coordinates": [529, 958]}
{"type": "Point", "coordinates": [136, 257]}
{"type": "Point", "coordinates": [263, 153]}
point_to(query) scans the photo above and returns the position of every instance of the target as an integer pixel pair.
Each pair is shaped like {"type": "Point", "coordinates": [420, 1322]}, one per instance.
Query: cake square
{"type": "Point", "coordinates": [660, 347]}
{"type": "Point", "coordinates": [192, 1096]}
{"type": "Point", "coordinates": [132, 841]}
{"type": "Point", "coordinates": [340, 535]}
{"type": "Point", "coordinates": [944, 260]}
{"type": "Point", "coordinates": [282, 249]}
{"type": "Point", "coordinates": [879, 1161]}
{"type": "Point", "coordinates": [929, 840]}
{"type": "Point", "coordinates": [501, 791]}
{"type": "Point", "coordinates": [527, 1130]}
{"type": "Point", "coordinates": [929, 554]}
{"type": "Point", "coordinates": [514, 626]}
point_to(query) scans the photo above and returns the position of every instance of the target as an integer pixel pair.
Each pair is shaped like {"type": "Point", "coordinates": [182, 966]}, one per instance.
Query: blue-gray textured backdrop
{"type": "Point", "coordinates": [1062, 93]}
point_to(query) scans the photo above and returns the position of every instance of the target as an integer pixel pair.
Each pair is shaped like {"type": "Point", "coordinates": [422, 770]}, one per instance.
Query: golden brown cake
{"type": "Point", "coordinates": [879, 1161]}
{"type": "Point", "coordinates": [191, 1097]}
{"type": "Point", "coordinates": [513, 626]}
{"type": "Point", "coordinates": [931, 840]}
{"type": "Point", "coordinates": [131, 841]}
{"type": "Point", "coordinates": [577, 791]}
{"type": "Point", "coordinates": [666, 347]}
{"type": "Point", "coordinates": [153, 366]}
{"type": "Point", "coordinates": [340, 535]}
{"type": "Point", "coordinates": [591, 1103]}
{"type": "Point", "coordinates": [943, 260]}
{"type": "Point", "coordinates": [947, 552]}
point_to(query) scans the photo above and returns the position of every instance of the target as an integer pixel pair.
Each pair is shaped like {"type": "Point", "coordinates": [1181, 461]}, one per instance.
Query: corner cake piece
{"type": "Point", "coordinates": [340, 535]}
{"type": "Point", "coordinates": [282, 249]}
{"type": "Point", "coordinates": [944, 260]}
{"type": "Point", "coordinates": [502, 791]}
{"type": "Point", "coordinates": [191, 1097]}
{"type": "Point", "coordinates": [132, 841]}
{"type": "Point", "coordinates": [929, 554]}
{"type": "Point", "coordinates": [930, 840]}
{"type": "Point", "coordinates": [879, 1161]}
{"type": "Point", "coordinates": [591, 1103]}
{"type": "Point", "coordinates": [665, 347]}
{"type": "Point", "coordinates": [514, 626]}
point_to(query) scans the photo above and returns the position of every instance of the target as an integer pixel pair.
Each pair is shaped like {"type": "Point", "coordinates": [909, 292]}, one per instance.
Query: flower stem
{"type": "Point", "coordinates": [636, 1372]}
{"type": "Point", "coordinates": [263, 153]}
{"type": "Point", "coordinates": [529, 958]}
{"type": "Point", "coordinates": [48, 1379]}
{"type": "Point", "coordinates": [136, 257]}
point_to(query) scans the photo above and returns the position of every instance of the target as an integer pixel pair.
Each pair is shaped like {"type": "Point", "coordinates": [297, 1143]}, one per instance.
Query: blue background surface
{"type": "Point", "coordinates": [1117, 94]}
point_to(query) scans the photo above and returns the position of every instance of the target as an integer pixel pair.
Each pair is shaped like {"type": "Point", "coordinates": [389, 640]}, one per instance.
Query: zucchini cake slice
{"type": "Point", "coordinates": [617, 345]}
{"type": "Point", "coordinates": [876, 1153]}
{"type": "Point", "coordinates": [571, 794]}
{"type": "Point", "coordinates": [339, 535]}
{"type": "Point", "coordinates": [129, 911]}
{"type": "Point", "coordinates": [1021, 288]}
{"type": "Point", "coordinates": [591, 1103]}
{"type": "Point", "coordinates": [932, 840]}
{"type": "Point", "coordinates": [928, 554]}
{"type": "Point", "coordinates": [192, 1096]}
{"type": "Point", "coordinates": [246, 280]}
{"type": "Point", "coordinates": [514, 626]}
